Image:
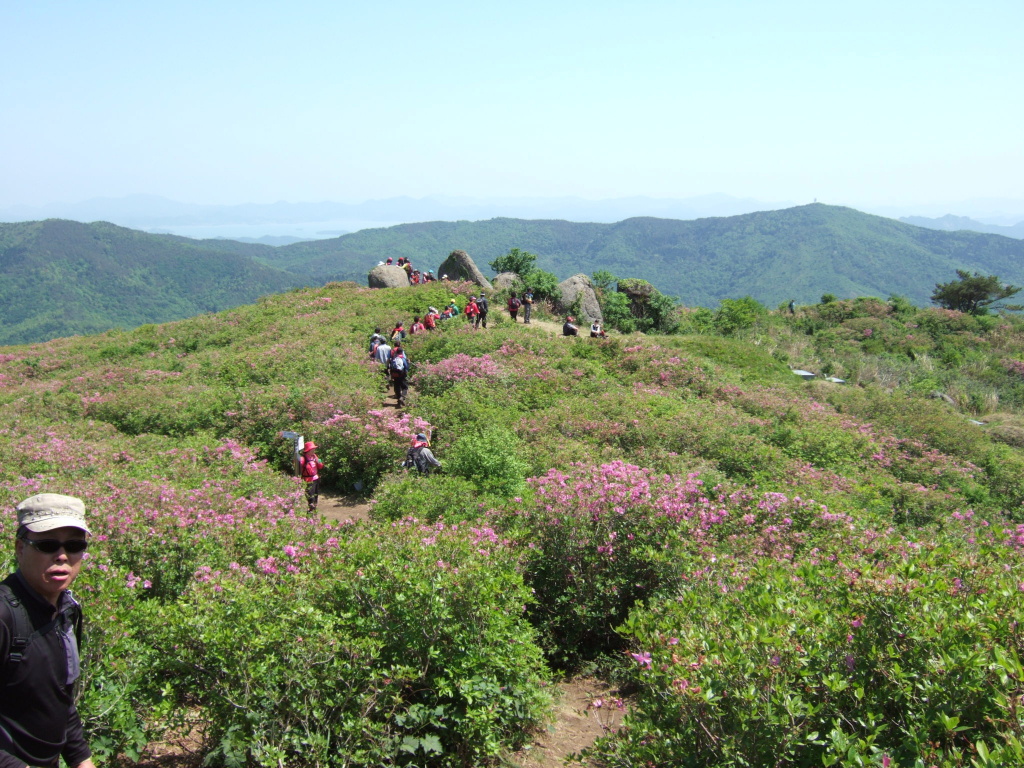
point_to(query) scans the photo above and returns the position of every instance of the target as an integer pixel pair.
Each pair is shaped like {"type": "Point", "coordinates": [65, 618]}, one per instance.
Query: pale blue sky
{"type": "Point", "coordinates": [862, 104]}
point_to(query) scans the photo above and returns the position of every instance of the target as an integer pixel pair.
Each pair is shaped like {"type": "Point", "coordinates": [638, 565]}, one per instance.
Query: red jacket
{"type": "Point", "coordinates": [310, 467]}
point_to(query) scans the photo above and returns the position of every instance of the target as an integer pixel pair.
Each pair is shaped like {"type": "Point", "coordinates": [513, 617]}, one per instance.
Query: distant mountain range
{"type": "Point", "coordinates": [60, 278]}
{"type": "Point", "coordinates": [773, 256]}
{"type": "Point", "coordinates": [316, 220]}
{"type": "Point", "coordinates": [950, 223]}
{"type": "Point", "coordinates": [150, 212]}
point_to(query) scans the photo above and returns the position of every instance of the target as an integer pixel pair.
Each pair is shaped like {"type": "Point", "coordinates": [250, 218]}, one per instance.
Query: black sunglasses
{"type": "Point", "coordinates": [50, 546]}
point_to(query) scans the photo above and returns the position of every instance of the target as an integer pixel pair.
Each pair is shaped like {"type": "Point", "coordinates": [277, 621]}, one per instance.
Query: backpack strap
{"type": "Point", "coordinates": [21, 633]}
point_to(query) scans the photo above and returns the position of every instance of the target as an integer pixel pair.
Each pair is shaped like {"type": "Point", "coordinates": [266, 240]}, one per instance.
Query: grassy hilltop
{"type": "Point", "coordinates": [780, 572]}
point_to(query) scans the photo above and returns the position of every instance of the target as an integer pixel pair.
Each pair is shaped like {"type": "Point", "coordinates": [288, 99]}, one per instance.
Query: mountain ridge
{"type": "Point", "coordinates": [86, 278]}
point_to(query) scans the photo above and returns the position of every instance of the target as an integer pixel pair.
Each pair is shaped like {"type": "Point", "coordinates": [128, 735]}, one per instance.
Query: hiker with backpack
{"type": "Point", "coordinates": [376, 338]}
{"type": "Point", "coordinates": [430, 319]}
{"type": "Point", "coordinates": [420, 456]}
{"type": "Point", "coordinates": [473, 312]}
{"type": "Point", "coordinates": [40, 636]}
{"type": "Point", "coordinates": [416, 326]}
{"type": "Point", "coordinates": [398, 367]}
{"type": "Point", "coordinates": [513, 306]}
{"type": "Point", "coordinates": [483, 307]}
{"type": "Point", "coordinates": [398, 332]}
{"type": "Point", "coordinates": [310, 467]}
{"type": "Point", "coordinates": [527, 305]}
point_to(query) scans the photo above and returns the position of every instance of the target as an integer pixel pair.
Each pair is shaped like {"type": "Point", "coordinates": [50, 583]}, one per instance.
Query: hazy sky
{"type": "Point", "coordinates": [866, 103]}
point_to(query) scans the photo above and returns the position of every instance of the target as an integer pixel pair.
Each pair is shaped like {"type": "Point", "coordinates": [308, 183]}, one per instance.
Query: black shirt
{"type": "Point", "coordinates": [38, 718]}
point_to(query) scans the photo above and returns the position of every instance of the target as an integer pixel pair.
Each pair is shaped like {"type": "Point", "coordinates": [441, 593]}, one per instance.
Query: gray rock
{"type": "Point", "coordinates": [387, 276]}
{"type": "Point", "coordinates": [580, 286]}
{"type": "Point", "coordinates": [459, 266]}
{"type": "Point", "coordinates": [504, 281]}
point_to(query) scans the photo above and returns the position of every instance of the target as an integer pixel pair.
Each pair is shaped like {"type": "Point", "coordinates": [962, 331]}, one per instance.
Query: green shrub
{"type": "Point", "coordinates": [431, 498]}
{"type": "Point", "coordinates": [491, 459]}
{"type": "Point", "coordinates": [405, 649]}
{"type": "Point", "coordinates": [899, 660]}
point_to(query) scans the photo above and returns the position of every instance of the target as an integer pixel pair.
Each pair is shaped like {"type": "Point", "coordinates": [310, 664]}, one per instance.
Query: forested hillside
{"type": "Point", "coordinates": [62, 278]}
{"type": "Point", "coordinates": [773, 256]}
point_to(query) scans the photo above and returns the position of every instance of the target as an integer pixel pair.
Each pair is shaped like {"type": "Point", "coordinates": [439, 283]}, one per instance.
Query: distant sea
{"type": "Point", "coordinates": [310, 230]}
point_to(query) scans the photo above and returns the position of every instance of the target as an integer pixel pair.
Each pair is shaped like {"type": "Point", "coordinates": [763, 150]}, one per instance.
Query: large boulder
{"type": "Point", "coordinates": [459, 266]}
{"type": "Point", "coordinates": [581, 287]}
{"type": "Point", "coordinates": [504, 281]}
{"type": "Point", "coordinates": [387, 276]}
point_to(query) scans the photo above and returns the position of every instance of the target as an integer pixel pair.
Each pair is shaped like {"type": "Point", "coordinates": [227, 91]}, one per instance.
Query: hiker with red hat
{"type": "Point", "coordinates": [419, 455]}
{"type": "Point", "coordinates": [310, 467]}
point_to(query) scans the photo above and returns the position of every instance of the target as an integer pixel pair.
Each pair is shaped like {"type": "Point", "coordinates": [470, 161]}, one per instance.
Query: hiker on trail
{"type": "Point", "coordinates": [408, 269]}
{"type": "Point", "coordinates": [388, 262]}
{"type": "Point", "coordinates": [40, 633]}
{"type": "Point", "coordinates": [398, 367]}
{"type": "Point", "coordinates": [310, 466]}
{"type": "Point", "coordinates": [444, 278]}
{"type": "Point", "coordinates": [484, 307]}
{"type": "Point", "coordinates": [383, 354]}
{"type": "Point", "coordinates": [376, 338]}
{"type": "Point", "coordinates": [430, 319]}
{"type": "Point", "coordinates": [527, 305]}
{"type": "Point", "coordinates": [513, 306]}
{"type": "Point", "coordinates": [430, 276]}
{"type": "Point", "coordinates": [596, 331]}
{"type": "Point", "coordinates": [792, 307]}
{"type": "Point", "coordinates": [473, 311]}
{"type": "Point", "coordinates": [569, 327]}
{"type": "Point", "coordinates": [417, 326]}
{"type": "Point", "coordinates": [398, 333]}
{"type": "Point", "coordinates": [420, 456]}
{"type": "Point", "coordinates": [453, 307]}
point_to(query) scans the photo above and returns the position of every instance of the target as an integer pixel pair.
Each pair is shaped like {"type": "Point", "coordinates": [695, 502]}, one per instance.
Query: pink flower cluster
{"type": "Point", "coordinates": [433, 378]}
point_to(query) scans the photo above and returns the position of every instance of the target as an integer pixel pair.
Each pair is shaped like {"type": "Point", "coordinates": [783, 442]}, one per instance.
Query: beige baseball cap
{"type": "Point", "coordinates": [49, 511]}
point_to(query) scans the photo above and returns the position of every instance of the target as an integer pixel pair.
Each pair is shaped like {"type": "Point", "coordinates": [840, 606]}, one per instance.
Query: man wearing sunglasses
{"type": "Point", "coordinates": [40, 629]}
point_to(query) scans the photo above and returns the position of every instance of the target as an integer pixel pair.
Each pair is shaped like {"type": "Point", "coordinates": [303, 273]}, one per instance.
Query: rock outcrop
{"type": "Point", "coordinates": [581, 287]}
{"type": "Point", "coordinates": [639, 293]}
{"type": "Point", "coordinates": [459, 266]}
{"type": "Point", "coordinates": [504, 281]}
{"type": "Point", "coordinates": [387, 276]}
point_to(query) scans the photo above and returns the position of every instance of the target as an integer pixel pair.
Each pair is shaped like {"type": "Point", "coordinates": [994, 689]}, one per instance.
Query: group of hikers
{"type": "Point", "coordinates": [415, 276]}
{"type": "Point", "coordinates": [389, 351]}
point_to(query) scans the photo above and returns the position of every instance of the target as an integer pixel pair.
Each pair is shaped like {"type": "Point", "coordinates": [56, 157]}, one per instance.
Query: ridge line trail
{"type": "Point", "coordinates": [575, 725]}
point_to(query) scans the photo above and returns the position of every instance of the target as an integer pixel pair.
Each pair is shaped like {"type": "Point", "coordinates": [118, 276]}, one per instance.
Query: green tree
{"type": "Point", "coordinates": [974, 294]}
{"type": "Point", "coordinates": [603, 279]}
{"type": "Point", "coordinates": [520, 262]}
{"type": "Point", "coordinates": [543, 284]}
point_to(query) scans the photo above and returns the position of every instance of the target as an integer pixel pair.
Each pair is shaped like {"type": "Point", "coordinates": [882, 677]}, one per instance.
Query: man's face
{"type": "Point", "coordinates": [49, 574]}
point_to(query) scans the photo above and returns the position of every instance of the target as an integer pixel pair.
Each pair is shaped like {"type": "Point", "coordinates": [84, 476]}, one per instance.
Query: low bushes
{"type": "Point", "coordinates": [896, 655]}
